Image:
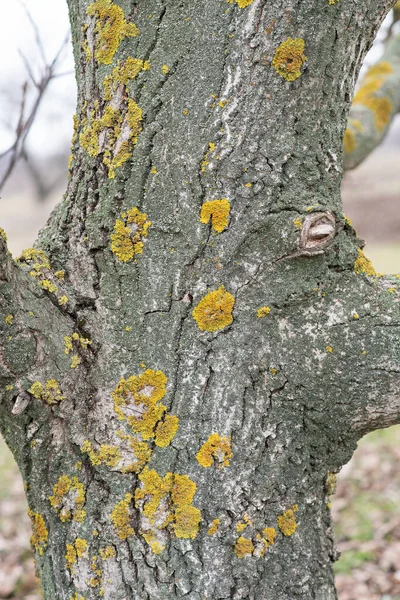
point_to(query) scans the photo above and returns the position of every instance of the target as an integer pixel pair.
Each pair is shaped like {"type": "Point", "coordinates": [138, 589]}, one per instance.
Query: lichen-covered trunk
{"type": "Point", "coordinates": [197, 342]}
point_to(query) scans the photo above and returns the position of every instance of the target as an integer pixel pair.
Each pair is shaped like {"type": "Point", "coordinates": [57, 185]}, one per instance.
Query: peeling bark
{"type": "Point", "coordinates": [298, 352]}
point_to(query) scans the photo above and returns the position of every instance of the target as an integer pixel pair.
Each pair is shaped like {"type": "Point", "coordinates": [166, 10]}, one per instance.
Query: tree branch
{"type": "Point", "coordinates": [375, 105]}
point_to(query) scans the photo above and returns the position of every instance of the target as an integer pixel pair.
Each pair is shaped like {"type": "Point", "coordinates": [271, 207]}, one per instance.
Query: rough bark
{"type": "Point", "coordinates": [306, 364]}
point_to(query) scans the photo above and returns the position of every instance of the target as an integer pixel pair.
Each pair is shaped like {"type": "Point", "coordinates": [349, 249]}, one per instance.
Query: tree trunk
{"type": "Point", "coordinates": [197, 342]}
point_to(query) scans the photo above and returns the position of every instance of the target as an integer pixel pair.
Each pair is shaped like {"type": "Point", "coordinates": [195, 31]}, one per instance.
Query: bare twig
{"type": "Point", "coordinates": [16, 150]}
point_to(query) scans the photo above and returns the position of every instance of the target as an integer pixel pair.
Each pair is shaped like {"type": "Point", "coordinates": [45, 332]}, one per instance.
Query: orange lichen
{"type": "Point", "coordinates": [141, 396]}
{"type": "Point", "coordinates": [120, 517]}
{"type": "Point", "coordinates": [214, 311]}
{"type": "Point", "coordinates": [217, 450]}
{"type": "Point", "coordinates": [128, 236]}
{"type": "Point", "coordinates": [289, 58]}
{"type": "Point", "coordinates": [216, 211]}
{"type": "Point", "coordinates": [167, 502]}
{"type": "Point", "coordinates": [68, 499]}
{"type": "Point", "coordinates": [214, 527]}
{"type": "Point", "coordinates": [111, 28]}
{"type": "Point", "coordinates": [40, 535]}
{"type": "Point", "coordinates": [166, 430]}
{"type": "Point", "coordinates": [49, 393]}
{"type": "Point", "coordinates": [364, 265]}
{"type": "Point", "coordinates": [287, 521]}
{"type": "Point", "coordinates": [244, 547]}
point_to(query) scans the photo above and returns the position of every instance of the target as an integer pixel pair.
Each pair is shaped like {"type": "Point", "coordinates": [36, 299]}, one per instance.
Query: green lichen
{"type": "Point", "coordinates": [111, 29]}
{"type": "Point", "coordinates": [129, 234]}
{"type": "Point", "coordinates": [289, 58]}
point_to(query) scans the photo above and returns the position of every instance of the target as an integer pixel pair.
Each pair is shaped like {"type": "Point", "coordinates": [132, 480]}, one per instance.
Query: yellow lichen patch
{"type": "Point", "coordinates": [77, 596]}
{"type": "Point", "coordinates": [368, 93]}
{"type": "Point", "coordinates": [165, 69]}
{"type": "Point", "coordinates": [216, 211]}
{"type": "Point", "coordinates": [106, 454]}
{"type": "Point", "coordinates": [3, 234]}
{"type": "Point", "coordinates": [364, 265]}
{"type": "Point", "coordinates": [111, 28]}
{"type": "Point", "coordinates": [120, 518]}
{"type": "Point", "coordinates": [72, 342]}
{"type": "Point", "coordinates": [68, 499]}
{"type": "Point", "coordinates": [214, 311]}
{"type": "Point", "coordinates": [118, 130]}
{"type": "Point", "coordinates": [330, 483]}
{"type": "Point", "coordinates": [50, 392]}
{"type": "Point", "coordinates": [141, 450]}
{"type": "Point", "coordinates": [263, 312]}
{"type": "Point", "coordinates": [60, 275]}
{"type": "Point", "coordinates": [9, 320]}
{"type": "Point", "coordinates": [329, 349]}
{"type": "Point", "coordinates": [269, 534]}
{"type": "Point", "coordinates": [244, 547]}
{"type": "Point", "coordinates": [167, 502]}
{"type": "Point", "coordinates": [37, 261]}
{"type": "Point", "coordinates": [241, 526]}
{"type": "Point", "coordinates": [287, 521]}
{"type": "Point", "coordinates": [289, 58]}
{"type": "Point", "coordinates": [107, 553]}
{"type": "Point", "coordinates": [63, 300]}
{"type": "Point", "coordinates": [122, 74]}
{"type": "Point", "coordinates": [141, 396]}
{"type": "Point", "coordinates": [214, 527]}
{"type": "Point", "coordinates": [128, 236]}
{"type": "Point", "coordinates": [298, 222]}
{"type": "Point", "coordinates": [75, 551]}
{"type": "Point", "coordinates": [166, 431]}
{"type": "Point", "coordinates": [217, 450]}
{"type": "Point", "coordinates": [48, 286]}
{"type": "Point", "coordinates": [40, 535]}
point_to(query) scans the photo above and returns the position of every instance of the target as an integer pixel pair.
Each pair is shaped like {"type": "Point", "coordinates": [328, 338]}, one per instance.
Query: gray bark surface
{"type": "Point", "coordinates": [289, 391]}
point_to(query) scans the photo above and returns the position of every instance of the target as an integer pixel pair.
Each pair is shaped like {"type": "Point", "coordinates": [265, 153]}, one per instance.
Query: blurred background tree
{"type": "Point", "coordinates": [365, 507]}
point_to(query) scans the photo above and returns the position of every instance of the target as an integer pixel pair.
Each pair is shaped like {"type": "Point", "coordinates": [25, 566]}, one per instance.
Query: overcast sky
{"type": "Point", "coordinates": [54, 123]}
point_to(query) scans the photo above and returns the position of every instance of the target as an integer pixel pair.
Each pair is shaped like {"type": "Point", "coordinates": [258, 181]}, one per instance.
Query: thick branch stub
{"type": "Point", "coordinates": [375, 105]}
